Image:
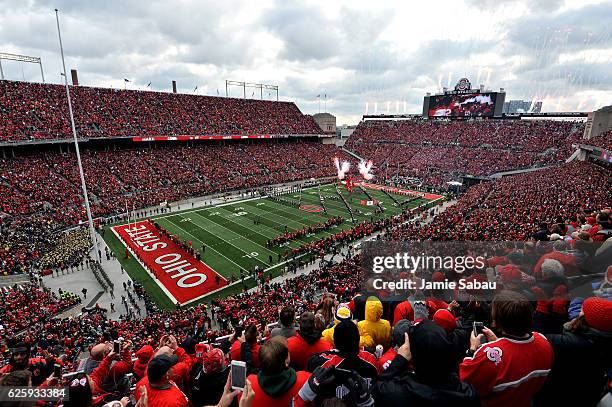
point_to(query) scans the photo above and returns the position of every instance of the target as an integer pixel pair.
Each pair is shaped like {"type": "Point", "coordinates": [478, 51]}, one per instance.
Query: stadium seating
{"type": "Point", "coordinates": [604, 140]}
{"type": "Point", "coordinates": [43, 190]}
{"type": "Point", "coordinates": [514, 207]}
{"type": "Point", "coordinates": [326, 291]}
{"type": "Point", "coordinates": [439, 151]}
{"type": "Point", "coordinates": [33, 111]}
{"type": "Point", "coordinates": [16, 312]}
{"type": "Point", "coordinates": [41, 195]}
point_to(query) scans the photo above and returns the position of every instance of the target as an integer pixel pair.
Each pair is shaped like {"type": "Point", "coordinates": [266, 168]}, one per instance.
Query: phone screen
{"type": "Point", "coordinates": [478, 328]}
{"type": "Point", "coordinates": [116, 347]}
{"type": "Point", "coordinates": [238, 376]}
{"type": "Point", "coordinates": [57, 371]}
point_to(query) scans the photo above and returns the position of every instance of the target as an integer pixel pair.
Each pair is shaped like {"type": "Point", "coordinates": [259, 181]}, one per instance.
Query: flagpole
{"type": "Point", "coordinates": [92, 232]}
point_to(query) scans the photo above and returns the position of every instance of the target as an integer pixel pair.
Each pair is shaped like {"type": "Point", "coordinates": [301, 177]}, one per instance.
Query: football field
{"type": "Point", "coordinates": [234, 236]}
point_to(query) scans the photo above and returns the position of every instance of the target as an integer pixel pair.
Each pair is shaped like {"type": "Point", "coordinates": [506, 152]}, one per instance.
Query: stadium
{"type": "Point", "coordinates": [170, 248]}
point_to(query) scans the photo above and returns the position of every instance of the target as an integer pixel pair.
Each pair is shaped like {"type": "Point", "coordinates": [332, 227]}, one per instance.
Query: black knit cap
{"type": "Point", "coordinates": [402, 327]}
{"type": "Point", "coordinates": [21, 347]}
{"type": "Point", "coordinates": [432, 352]}
{"type": "Point", "coordinates": [346, 338]}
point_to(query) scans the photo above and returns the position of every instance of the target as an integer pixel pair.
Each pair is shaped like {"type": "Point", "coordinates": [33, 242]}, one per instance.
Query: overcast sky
{"type": "Point", "coordinates": [364, 55]}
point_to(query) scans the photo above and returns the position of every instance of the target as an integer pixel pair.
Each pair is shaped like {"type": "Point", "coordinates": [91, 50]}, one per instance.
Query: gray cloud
{"type": "Point", "coordinates": [305, 32]}
{"type": "Point", "coordinates": [205, 42]}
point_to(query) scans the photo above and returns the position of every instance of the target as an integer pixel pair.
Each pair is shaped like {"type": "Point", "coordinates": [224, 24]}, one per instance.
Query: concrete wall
{"type": "Point", "coordinates": [326, 121]}
{"type": "Point", "coordinates": [598, 122]}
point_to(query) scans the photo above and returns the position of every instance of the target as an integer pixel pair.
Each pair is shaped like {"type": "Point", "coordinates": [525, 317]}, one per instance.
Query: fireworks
{"type": "Point", "coordinates": [342, 167]}
{"type": "Point", "coordinates": [365, 168]}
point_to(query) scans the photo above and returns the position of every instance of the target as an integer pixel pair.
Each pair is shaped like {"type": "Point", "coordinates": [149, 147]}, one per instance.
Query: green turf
{"type": "Point", "coordinates": [234, 242]}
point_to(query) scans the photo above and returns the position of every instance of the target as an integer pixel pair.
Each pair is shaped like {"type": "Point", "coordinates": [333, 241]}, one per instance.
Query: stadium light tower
{"type": "Point", "coordinates": [92, 232]}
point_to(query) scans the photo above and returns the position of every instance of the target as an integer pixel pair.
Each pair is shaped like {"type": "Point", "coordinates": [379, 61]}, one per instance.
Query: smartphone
{"type": "Point", "coordinates": [116, 346]}
{"type": "Point", "coordinates": [477, 328]}
{"type": "Point", "coordinates": [57, 370]}
{"type": "Point", "coordinates": [238, 370]}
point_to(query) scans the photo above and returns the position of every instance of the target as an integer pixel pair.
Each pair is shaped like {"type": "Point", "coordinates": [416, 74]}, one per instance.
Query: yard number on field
{"type": "Point", "coordinates": [251, 255]}
{"type": "Point", "coordinates": [185, 220]}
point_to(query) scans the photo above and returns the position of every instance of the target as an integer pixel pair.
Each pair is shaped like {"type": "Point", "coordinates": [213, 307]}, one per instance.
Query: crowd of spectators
{"type": "Point", "coordinates": [527, 135]}
{"type": "Point", "coordinates": [43, 194]}
{"type": "Point", "coordinates": [542, 342]}
{"type": "Point", "coordinates": [604, 140]}
{"type": "Point", "coordinates": [67, 249]}
{"type": "Point", "coordinates": [26, 304]}
{"type": "Point", "coordinates": [516, 207]}
{"type": "Point", "coordinates": [35, 111]}
{"type": "Point", "coordinates": [336, 337]}
{"type": "Point", "coordinates": [407, 346]}
{"type": "Point", "coordinates": [438, 151]}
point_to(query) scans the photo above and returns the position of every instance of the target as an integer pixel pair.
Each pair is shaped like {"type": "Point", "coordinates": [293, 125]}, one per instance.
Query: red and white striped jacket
{"type": "Point", "coordinates": [509, 371]}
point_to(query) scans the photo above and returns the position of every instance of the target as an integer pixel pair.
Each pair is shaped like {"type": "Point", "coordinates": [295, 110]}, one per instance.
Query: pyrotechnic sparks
{"type": "Point", "coordinates": [365, 168]}
{"type": "Point", "coordinates": [342, 167]}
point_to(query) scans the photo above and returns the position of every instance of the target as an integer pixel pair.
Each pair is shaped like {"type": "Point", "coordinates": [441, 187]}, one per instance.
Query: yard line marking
{"type": "Point", "coordinates": [298, 213]}
{"type": "Point", "coordinates": [311, 216]}
{"type": "Point", "coordinates": [220, 205]}
{"type": "Point", "coordinates": [229, 242]}
{"type": "Point", "coordinates": [277, 231]}
{"type": "Point", "coordinates": [229, 218]}
{"type": "Point", "coordinates": [221, 254]}
{"type": "Point", "coordinates": [235, 233]}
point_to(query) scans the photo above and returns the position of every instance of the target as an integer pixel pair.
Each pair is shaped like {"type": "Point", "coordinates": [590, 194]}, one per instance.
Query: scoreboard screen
{"type": "Point", "coordinates": [462, 105]}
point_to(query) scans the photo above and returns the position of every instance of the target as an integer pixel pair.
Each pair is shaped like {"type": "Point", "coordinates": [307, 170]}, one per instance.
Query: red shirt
{"type": "Point", "coordinates": [170, 397]}
{"type": "Point", "coordinates": [261, 399]}
{"type": "Point", "coordinates": [509, 372]}
{"type": "Point", "coordinates": [235, 352]}
{"type": "Point", "coordinates": [300, 351]}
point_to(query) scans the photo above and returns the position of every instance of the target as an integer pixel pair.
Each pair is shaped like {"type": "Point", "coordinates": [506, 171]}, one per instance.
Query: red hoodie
{"type": "Point", "coordinates": [140, 366]}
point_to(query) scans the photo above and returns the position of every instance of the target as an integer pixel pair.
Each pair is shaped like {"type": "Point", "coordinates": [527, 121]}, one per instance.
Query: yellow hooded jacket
{"type": "Point", "coordinates": [374, 330]}
{"type": "Point", "coordinates": [328, 334]}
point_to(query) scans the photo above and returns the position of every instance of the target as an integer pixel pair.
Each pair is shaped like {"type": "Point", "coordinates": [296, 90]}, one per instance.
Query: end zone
{"type": "Point", "coordinates": [179, 274]}
{"type": "Point", "coordinates": [400, 191]}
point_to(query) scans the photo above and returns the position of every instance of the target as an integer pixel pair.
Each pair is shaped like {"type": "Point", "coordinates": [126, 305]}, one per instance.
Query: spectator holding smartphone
{"type": "Point", "coordinates": [511, 369]}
